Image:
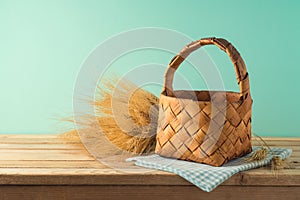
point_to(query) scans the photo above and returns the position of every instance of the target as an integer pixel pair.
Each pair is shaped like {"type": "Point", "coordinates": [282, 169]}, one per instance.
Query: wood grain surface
{"type": "Point", "coordinates": [51, 167]}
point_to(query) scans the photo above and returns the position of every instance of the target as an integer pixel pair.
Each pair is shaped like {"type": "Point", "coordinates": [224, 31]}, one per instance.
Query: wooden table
{"type": "Point", "coordinates": [51, 167]}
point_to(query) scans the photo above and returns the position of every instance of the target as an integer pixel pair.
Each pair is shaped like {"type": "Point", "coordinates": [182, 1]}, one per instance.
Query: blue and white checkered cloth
{"type": "Point", "coordinates": [204, 176]}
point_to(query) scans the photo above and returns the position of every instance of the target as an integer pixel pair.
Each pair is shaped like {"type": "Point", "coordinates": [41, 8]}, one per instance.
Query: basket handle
{"type": "Point", "coordinates": [239, 65]}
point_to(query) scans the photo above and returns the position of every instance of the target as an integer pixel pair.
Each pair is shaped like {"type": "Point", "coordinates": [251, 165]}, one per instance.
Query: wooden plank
{"type": "Point", "coordinates": [90, 177]}
{"type": "Point", "coordinates": [47, 154]}
{"type": "Point", "coordinates": [78, 146]}
{"type": "Point", "coordinates": [56, 161]}
{"type": "Point", "coordinates": [279, 143]}
{"type": "Point", "coordinates": [26, 136]}
{"type": "Point", "coordinates": [146, 192]}
{"type": "Point", "coordinates": [279, 138]}
{"type": "Point", "coordinates": [295, 154]}
{"type": "Point", "coordinates": [142, 176]}
{"type": "Point", "coordinates": [59, 135]}
{"type": "Point", "coordinates": [296, 149]}
{"type": "Point", "coordinates": [37, 141]}
{"type": "Point", "coordinates": [40, 146]}
{"type": "Point", "coordinates": [34, 139]}
{"type": "Point", "coordinates": [51, 164]}
{"type": "Point", "coordinates": [75, 164]}
{"type": "Point", "coordinates": [74, 171]}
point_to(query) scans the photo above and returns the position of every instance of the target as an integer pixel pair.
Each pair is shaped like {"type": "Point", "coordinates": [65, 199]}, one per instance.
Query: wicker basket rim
{"type": "Point", "coordinates": [231, 96]}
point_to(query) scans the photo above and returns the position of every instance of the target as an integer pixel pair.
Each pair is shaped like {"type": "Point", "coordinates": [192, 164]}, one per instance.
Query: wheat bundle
{"type": "Point", "coordinates": [133, 127]}
{"type": "Point", "coordinates": [126, 115]}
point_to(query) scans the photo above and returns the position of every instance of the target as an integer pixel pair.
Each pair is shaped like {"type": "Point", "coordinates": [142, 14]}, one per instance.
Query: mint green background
{"type": "Point", "coordinates": [43, 44]}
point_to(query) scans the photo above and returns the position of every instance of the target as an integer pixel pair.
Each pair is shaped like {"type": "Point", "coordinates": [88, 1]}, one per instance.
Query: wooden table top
{"type": "Point", "coordinates": [50, 160]}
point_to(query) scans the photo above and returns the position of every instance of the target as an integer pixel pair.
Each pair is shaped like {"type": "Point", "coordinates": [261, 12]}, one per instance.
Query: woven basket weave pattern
{"type": "Point", "coordinates": [205, 126]}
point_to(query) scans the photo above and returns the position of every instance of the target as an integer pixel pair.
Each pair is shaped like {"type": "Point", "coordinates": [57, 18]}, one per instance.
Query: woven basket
{"type": "Point", "coordinates": [210, 127]}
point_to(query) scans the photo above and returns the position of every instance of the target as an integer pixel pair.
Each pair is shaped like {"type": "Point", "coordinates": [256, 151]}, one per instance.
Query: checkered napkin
{"type": "Point", "coordinates": [204, 176]}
